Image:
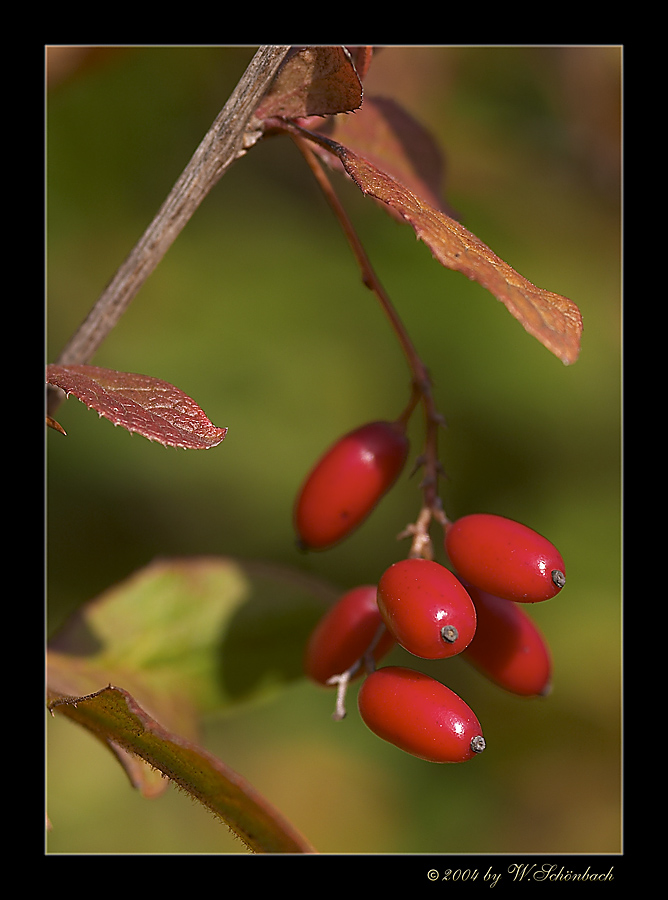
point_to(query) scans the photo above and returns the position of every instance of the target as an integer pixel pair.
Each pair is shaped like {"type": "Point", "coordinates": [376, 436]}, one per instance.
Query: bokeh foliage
{"type": "Point", "coordinates": [259, 314]}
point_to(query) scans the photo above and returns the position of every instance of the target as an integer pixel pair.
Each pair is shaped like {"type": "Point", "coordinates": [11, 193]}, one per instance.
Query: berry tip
{"type": "Point", "coordinates": [478, 743]}
{"type": "Point", "coordinates": [449, 634]}
{"type": "Point", "coordinates": [558, 578]}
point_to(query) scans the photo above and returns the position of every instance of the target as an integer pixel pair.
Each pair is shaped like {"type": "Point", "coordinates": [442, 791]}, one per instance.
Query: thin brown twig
{"type": "Point", "coordinates": [421, 381]}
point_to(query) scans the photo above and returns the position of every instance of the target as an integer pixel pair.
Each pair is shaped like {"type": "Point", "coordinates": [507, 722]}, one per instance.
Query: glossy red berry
{"type": "Point", "coordinates": [344, 635]}
{"type": "Point", "coordinates": [419, 715]}
{"type": "Point", "coordinates": [347, 482]}
{"type": "Point", "coordinates": [508, 646]}
{"type": "Point", "coordinates": [426, 608]}
{"type": "Point", "coordinates": [505, 558]}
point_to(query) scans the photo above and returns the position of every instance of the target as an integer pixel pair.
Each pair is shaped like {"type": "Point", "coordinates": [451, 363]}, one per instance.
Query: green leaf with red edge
{"type": "Point", "coordinates": [182, 638]}
{"type": "Point", "coordinates": [115, 717]}
{"type": "Point", "coordinates": [148, 406]}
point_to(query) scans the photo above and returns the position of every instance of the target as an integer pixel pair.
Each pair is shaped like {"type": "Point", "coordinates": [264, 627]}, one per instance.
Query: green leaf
{"type": "Point", "coordinates": [178, 639]}
{"type": "Point", "coordinates": [209, 632]}
{"type": "Point", "coordinates": [115, 717]}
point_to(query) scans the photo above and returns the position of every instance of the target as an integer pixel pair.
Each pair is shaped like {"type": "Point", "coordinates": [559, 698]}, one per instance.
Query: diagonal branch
{"type": "Point", "coordinates": [229, 137]}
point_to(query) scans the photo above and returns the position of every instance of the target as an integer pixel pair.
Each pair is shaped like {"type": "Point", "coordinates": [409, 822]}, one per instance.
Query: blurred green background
{"type": "Point", "coordinates": [259, 313]}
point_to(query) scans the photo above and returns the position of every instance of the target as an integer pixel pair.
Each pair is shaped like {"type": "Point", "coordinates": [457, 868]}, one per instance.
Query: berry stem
{"type": "Point", "coordinates": [421, 379]}
{"type": "Point", "coordinates": [341, 681]}
{"type": "Point", "coordinates": [344, 678]}
{"type": "Point", "coordinates": [421, 384]}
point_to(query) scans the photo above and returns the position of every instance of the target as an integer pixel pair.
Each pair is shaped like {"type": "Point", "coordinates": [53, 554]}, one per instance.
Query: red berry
{"type": "Point", "coordinates": [347, 483]}
{"type": "Point", "coordinates": [505, 558]}
{"type": "Point", "coordinates": [419, 715]}
{"type": "Point", "coordinates": [508, 646]}
{"type": "Point", "coordinates": [426, 608]}
{"type": "Point", "coordinates": [344, 635]}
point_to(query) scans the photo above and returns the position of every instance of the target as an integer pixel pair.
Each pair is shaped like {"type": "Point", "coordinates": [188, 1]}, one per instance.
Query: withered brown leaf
{"type": "Point", "coordinates": [391, 139]}
{"type": "Point", "coordinates": [552, 319]}
{"type": "Point", "coordinates": [313, 81]}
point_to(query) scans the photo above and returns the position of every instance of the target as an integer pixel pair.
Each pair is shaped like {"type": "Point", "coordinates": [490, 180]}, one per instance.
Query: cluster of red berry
{"type": "Point", "coordinates": [432, 612]}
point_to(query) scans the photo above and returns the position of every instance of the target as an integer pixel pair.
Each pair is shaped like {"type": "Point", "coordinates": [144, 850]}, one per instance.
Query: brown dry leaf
{"type": "Point", "coordinates": [51, 423]}
{"type": "Point", "coordinates": [139, 403]}
{"type": "Point", "coordinates": [361, 58]}
{"type": "Point", "coordinates": [393, 141]}
{"type": "Point", "coordinates": [313, 81]}
{"type": "Point", "coordinates": [552, 319]}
